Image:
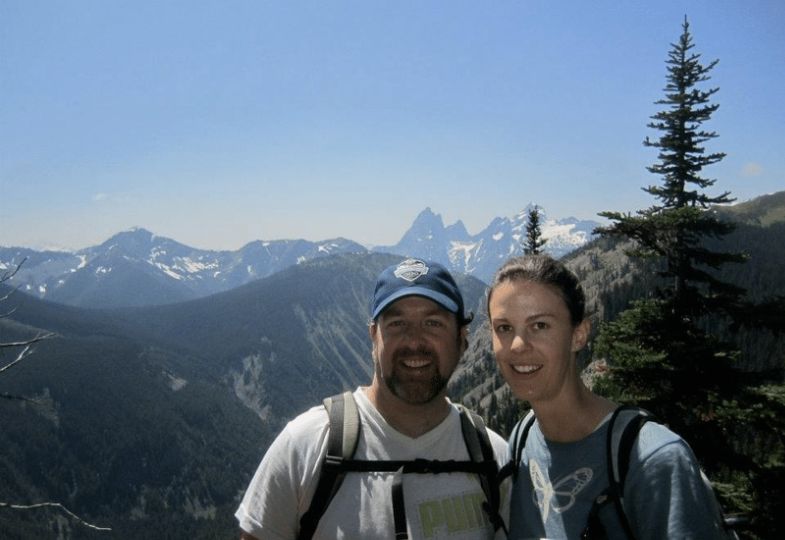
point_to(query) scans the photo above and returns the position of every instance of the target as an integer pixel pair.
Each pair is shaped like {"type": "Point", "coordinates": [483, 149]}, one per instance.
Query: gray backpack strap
{"type": "Point", "coordinates": [623, 428]}
{"type": "Point", "coordinates": [344, 433]}
{"type": "Point", "coordinates": [478, 444]}
{"type": "Point", "coordinates": [517, 443]}
{"type": "Point", "coordinates": [349, 428]}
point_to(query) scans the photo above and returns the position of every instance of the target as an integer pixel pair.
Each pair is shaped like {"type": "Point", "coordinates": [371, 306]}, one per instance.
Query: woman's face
{"type": "Point", "coordinates": [534, 340]}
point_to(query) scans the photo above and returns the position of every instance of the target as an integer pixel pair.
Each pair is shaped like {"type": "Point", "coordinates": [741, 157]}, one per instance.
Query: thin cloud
{"type": "Point", "coordinates": [752, 169]}
{"type": "Point", "coordinates": [111, 198]}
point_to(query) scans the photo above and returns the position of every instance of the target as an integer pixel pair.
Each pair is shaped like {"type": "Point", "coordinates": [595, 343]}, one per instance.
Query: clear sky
{"type": "Point", "coordinates": [219, 122]}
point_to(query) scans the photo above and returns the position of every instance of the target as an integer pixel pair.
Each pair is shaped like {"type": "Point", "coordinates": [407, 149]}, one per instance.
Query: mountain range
{"type": "Point", "coordinates": [138, 268]}
{"type": "Point", "coordinates": [480, 255]}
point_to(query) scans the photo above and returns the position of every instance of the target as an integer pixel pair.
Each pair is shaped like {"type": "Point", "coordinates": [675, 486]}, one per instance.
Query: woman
{"type": "Point", "coordinates": [538, 325]}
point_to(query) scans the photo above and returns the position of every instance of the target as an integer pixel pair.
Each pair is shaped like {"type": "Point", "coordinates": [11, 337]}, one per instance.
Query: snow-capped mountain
{"type": "Point", "coordinates": [138, 268]}
{"type": "Point", "coordinates": [480, 255]}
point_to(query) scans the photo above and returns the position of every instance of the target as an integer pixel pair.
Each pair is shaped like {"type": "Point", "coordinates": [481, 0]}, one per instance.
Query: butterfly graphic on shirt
{"type": "Point", "coordinates": [558, 496]}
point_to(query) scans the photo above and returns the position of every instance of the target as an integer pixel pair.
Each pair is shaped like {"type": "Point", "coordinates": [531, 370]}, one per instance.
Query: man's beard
{"type": "Point", "coordinates": [419, 391]}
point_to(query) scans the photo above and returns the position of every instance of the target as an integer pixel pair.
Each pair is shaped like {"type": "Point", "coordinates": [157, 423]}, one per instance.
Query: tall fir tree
{"type": "Point", "coordinates": [672, 352]}
{"type": "Point", "coordinates": [534, 240]}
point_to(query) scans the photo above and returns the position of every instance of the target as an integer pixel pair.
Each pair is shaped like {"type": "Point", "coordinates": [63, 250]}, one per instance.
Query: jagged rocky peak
{"type": "Point", "coordinates": [427, 219]}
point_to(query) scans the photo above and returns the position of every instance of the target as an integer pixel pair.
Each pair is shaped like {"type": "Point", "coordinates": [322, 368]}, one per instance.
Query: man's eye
{"type": "Point", "coordinates": [433, 323]}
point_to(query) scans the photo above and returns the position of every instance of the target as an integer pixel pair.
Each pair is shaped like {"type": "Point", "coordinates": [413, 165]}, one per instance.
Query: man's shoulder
{"type": "Point", "coordinates": [315, 420]}
{"type": "Point", "coordinates": [308, 423]}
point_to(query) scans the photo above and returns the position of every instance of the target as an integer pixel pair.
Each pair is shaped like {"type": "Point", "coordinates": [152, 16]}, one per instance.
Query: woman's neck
{"type": "Point", "coordinates": [572, 418]}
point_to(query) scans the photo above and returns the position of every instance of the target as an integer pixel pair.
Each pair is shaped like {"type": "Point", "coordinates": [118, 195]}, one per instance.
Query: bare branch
{"type": "Point", "coordinates": [9, 313]}
{"type": "Point", "coordinates": [5, 277]}
{"type": "Point", "coordinates": [19, 398]}
{"type": "Point", "coordinates": [27, 351]}
{"type": "Point", "coordinates": [22, 355]}
{"type": "Point", "coordinates": [7, 296]}
{"type": "Point", "coordinates": [24, 343]}
{"type": "Point", "coordinates": [53, 505]}
{"type": "Point", "coordinates": [8, 275]}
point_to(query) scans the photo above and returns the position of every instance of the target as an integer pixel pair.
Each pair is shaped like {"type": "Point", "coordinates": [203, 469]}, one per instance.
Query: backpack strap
{"type": "Point", "coordinates": [343, 436]}
{"type": "Point", "coordinates": [623, 428]}
{"type": "Point", "coordinates": [478, 443]}
{"type": "Point", "coordinates": [630, 421]}
{"type": "Point", "coordinates": [342, 441]}
{"type": "Point", "coordinates": [517, 443]}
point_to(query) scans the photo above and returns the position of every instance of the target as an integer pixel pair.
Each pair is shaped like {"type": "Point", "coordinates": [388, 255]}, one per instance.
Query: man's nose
{"type": "Point", "coordinates": [414, 331]}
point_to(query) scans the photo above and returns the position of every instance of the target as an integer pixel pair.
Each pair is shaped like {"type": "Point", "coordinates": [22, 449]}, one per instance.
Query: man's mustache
{"type": "Point", "coordinates": [407, 352]}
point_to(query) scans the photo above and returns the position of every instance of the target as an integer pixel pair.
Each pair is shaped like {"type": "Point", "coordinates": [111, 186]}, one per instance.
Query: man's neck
{"type": "Point", "coordinates": [409, 419]}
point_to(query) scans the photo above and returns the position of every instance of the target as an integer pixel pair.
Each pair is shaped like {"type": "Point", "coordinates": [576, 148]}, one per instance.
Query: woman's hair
{"type": "Point", "coordinates": [548, 271]}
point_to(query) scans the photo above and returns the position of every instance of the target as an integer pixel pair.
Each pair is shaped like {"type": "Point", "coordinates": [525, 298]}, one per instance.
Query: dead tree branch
{"type": "Point", "coordinates": [53, 505]}
{"type": "Point", "coordinates": [24, 353]}
{"type": "Point", "coordinates": [5, 277]}
{"type": "Point", "coordinates": [9, 274]}
{"type": "Point", "coordinates": [27, 351]}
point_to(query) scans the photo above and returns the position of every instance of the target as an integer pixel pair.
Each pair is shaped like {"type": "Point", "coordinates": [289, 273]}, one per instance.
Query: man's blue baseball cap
{"type": "Point", "coordinates": [414, 277]}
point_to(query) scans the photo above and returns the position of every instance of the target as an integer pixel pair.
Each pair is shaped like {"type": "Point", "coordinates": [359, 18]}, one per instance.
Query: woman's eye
{"type": "Point", "coordinates": [540, 325]}
{"type": "Point", "coordinates": [503, 328]}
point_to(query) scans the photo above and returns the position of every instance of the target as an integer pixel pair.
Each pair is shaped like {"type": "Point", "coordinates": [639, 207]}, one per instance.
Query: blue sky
{"type": "Point", "coordinates": [221, 122]}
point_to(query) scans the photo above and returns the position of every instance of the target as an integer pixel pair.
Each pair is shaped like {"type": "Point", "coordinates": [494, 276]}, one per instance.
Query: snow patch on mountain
{"type": "Point", "coordinates": [168, 271]}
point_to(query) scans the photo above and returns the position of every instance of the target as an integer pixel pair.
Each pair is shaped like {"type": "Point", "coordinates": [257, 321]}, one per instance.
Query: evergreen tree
{"type": "Point", "coordinates": [672, 352]}
{"type": "Point", "coordinates": [534, 240]}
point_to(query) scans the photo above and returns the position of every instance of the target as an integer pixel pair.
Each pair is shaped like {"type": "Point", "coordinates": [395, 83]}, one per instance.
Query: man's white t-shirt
{"type": "Point", "coordinates": [438, 506]}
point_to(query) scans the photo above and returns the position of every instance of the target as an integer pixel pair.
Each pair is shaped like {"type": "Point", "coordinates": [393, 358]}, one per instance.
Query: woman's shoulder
{"type": "Point", "coordinates": [658, 443]}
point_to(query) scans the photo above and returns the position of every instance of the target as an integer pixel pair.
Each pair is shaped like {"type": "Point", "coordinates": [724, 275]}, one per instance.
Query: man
{"type": "Point", "coordinates": [418, 331]}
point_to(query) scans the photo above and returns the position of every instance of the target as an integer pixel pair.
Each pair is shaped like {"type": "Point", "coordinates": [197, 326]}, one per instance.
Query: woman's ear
{"type": "Point", "coordinates": [580, 335]}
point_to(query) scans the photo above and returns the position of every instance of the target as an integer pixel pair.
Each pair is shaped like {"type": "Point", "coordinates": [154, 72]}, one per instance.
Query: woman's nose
{"type": "Point", "coordinates": [519, 342]}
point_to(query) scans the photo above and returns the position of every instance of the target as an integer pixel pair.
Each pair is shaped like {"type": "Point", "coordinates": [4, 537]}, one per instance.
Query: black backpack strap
{"type": "Point", "coordinates": [344, 431]}
{"type": "Point", "coordinates": [478, 443]}
{"type": "Point", "coordinates": [629, 423]}
{"type": "Point", "coordinates": [623, 428]}
{"type": "Point", "coordinates": [517, 443]}
{"type": "Point", "coordinates": [399, 507]}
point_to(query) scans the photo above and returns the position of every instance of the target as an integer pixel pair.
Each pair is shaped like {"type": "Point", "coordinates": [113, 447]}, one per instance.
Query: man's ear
{"type": "Point", "coordinates": [580, 335]}
{"type": "Point", "coordinates": [464, 338]}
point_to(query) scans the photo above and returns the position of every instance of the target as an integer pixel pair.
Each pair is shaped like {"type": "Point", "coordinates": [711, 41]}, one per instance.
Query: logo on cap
{"type": "Point", "coordinates": [411, 269]}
